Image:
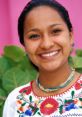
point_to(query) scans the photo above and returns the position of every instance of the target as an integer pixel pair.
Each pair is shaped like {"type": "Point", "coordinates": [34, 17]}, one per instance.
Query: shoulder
{"type": "Point", "coordinates": [10, 103]}
{"type": "Point", "coordinates": [13, 94]}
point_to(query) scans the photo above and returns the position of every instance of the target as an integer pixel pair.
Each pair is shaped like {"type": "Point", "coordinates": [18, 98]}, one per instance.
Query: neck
{"type": "Point", "coordinates": [54, 78]}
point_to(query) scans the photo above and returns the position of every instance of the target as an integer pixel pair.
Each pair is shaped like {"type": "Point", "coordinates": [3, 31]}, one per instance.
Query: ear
{"type": "Point", "coordinates": [71, 38]}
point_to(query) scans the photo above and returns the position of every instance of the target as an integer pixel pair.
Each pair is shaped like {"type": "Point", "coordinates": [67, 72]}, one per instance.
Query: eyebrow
{"type": "Point", "coordinates": [53, 25]}
{"type": "Point", "coordinates": [35, 29]}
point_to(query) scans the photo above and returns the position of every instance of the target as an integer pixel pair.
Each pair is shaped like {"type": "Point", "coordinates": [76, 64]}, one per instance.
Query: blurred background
{"type": "Point", "coordinates": [11, 9]}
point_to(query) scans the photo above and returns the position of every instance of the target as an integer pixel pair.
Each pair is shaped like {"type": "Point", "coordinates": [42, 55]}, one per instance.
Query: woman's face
{"type": "Point", "coordinates": [47, 38]}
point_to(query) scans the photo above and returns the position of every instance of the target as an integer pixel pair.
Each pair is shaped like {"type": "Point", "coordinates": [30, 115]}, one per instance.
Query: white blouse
{"type": "Point", "coordinates": [22, 102]}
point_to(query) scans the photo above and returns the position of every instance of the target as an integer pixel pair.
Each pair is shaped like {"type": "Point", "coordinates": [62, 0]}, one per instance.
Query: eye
{"type": "Point", "coordinates": [34, 36]}
{"type": "Point", "coordinates": [56, 31]}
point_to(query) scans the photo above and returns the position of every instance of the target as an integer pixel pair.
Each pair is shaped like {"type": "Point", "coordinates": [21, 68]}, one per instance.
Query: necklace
{"type": "Point", "coordinates": [69, 79]}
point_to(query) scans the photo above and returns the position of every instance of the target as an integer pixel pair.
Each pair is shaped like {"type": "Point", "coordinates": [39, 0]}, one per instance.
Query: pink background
{"type": "Point", "coordinates": [10, 10]}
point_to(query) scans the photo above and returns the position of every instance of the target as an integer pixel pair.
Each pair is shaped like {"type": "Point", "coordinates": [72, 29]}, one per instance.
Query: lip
{"type": "Point", "coordinates": [49, 54]}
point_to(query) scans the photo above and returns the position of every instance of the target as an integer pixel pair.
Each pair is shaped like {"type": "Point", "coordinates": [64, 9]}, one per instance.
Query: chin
{"type": "Point", "coordinates": [50, 68]}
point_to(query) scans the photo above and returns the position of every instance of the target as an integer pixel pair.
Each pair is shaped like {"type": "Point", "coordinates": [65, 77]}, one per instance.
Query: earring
{"type": "Point", "coordinates": [72, 48]}
{"type": "Point", "coordinates": [73, 45]}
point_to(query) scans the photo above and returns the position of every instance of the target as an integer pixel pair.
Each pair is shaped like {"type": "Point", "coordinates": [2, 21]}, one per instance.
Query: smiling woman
{"type": "Point", "coordinates": [47, 43]}
{"type": "Point", "coordinates": [46, 32]}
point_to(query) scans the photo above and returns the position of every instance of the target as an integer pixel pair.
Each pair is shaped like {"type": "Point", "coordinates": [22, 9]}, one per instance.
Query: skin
{"type": "Point", "coordinates": [48, 43]}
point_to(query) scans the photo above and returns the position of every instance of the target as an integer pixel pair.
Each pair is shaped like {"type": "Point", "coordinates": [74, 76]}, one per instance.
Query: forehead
{"type": "Point", "coordinates": [43, 15]}
{"type": "Point", "coordinates": [41, 10]}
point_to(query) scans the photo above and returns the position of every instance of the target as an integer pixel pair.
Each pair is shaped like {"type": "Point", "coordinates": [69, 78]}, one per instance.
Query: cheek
{"type": "Point", "coordinates": [64, 40]}
{"type": "Point", "coordinates": [61, 41]}
{"type": "Point", "coordinates": [64, 43]}
{"type": "Point", "coordinates": [31, 47]}
{"type": "Point", "coordinates": [66, 48]}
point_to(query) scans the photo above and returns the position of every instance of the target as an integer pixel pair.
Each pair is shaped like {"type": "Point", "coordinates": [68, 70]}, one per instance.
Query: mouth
{"type": "Point", "coordinates": [49, 55]}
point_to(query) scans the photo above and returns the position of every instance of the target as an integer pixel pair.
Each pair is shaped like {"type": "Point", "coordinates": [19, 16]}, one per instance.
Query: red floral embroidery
{"type": "Point", "coordinates": [81, 82]}
{"type": "Point", "coordinates": [77, 86]}
{"type": "Point", "coordinates": [21, 109]}
{"type": "Point", "coordinates": [19, 102]}
{"type": "Point", "coordinates": [26, 90]}
{"type": "Point", "coordinates": [49, 106]}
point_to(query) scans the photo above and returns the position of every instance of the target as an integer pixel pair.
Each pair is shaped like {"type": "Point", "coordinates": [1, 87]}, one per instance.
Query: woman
{"type": "Point", "coordinates": [46, 32]}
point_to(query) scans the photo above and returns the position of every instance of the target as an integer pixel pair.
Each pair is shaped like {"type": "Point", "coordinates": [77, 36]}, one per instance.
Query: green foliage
{"type": "Point", "coordinates": [16, 54]}
{"type": "Point", "coordinates": [79, 52]}
{"type": "Point", "coordinates": [16, 70]}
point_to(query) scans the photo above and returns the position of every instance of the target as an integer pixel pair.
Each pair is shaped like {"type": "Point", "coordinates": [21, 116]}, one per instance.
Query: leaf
{"type": "Point", "coordinates": [14, 52]}
{"type": "Point", "coordinates": [30, 98]}
{"type": "Point", "coordinates": [61, 109]}
{"type": "Point", "coordinates": [23, 104]}
{"type": "Point", "coordinates": [79, 52]}
{"type": "Point", "coordinates": [4, 65]}
{"type": "Point", "coordinates": [35, 110]}
{"type": "Point", "coordinates": [1, 103]}
{"type": "Point", "coordinates": [11, 62]}
{"type": "Point", "coordinates": [15, 77]}
{"type": "Point", "coordinates": [38, 113]}
{"type": "Point", "coordinates": [68, 101]}
{"type": "Point", "coordinates": [1, 109]}
{"type": "Point", "coordinates": [2, 100]}
{"type": "Point", "coordinates": [80, 107]}
{"type": "Point", "coordinates": [72, 94]}
{"type": "Point", "coordinates": [77, 62]}
{"type": "Point", "coordinates": [2, 94]}
{"type": "Point", "coordinates": [80, 99]}
{"type": "Point", "coordinates": [70, 60]}
{"type": "Point", "coordinates": [79, 70]}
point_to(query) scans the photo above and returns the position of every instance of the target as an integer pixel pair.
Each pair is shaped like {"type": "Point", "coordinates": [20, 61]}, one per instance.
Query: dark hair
{"type": "Point", "coordinates": [36, 3]}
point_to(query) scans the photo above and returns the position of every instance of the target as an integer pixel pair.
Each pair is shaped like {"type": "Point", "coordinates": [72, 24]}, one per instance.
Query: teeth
{"type": "Point", "coordinates": [50, 54]}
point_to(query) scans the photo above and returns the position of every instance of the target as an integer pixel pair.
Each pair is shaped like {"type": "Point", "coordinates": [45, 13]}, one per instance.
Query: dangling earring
{"type": "Point", "coordinates": [72, 49]}
{"type": "Point", "coordinates": [73, 45]}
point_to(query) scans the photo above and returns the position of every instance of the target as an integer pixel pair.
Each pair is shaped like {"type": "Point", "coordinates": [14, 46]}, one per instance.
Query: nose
{"type": "Point", "coordinates": [46, 42]}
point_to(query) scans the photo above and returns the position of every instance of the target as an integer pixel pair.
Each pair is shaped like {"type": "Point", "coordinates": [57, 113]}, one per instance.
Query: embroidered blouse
{"type": "Point", "coordinates": [22, 102]}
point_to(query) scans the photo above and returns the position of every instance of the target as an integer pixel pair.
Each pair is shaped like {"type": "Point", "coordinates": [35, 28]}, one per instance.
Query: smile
{"type": "Point", "coordinates": [49, 54]}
